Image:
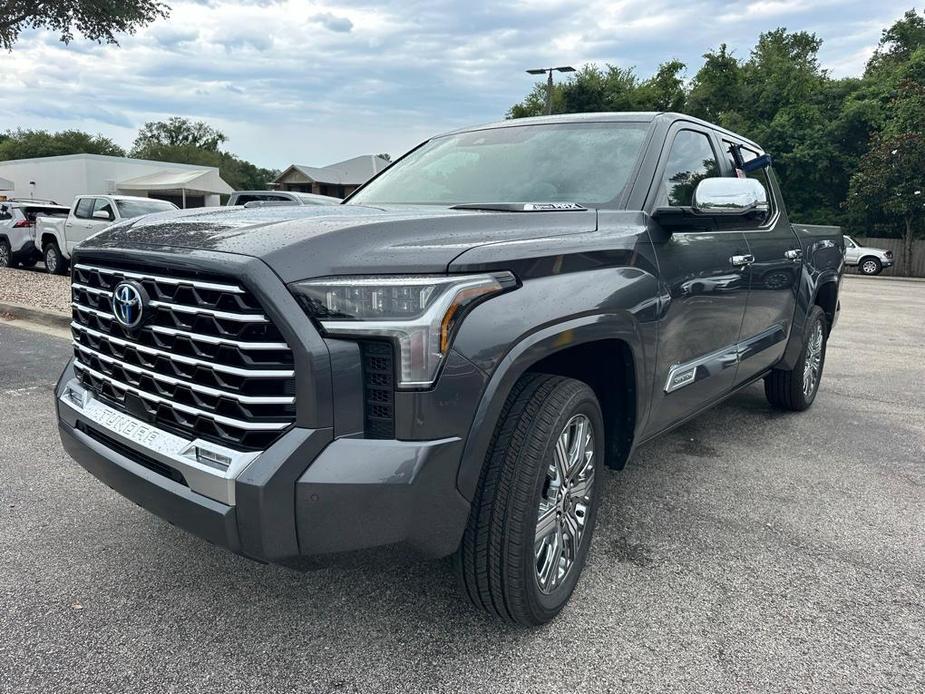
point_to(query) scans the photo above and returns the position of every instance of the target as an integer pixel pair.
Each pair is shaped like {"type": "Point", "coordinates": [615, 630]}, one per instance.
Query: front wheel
{"type": "Point", "coordinates": [796, 388]}
{"type": "Point", "coordinates": [533, 516]}
{"type": "Point", "coordinates": [870, 266]}
{"type": "Point", "coordinates": [6, 254]}
{"type": "Point", "coordinates": [54, 263]}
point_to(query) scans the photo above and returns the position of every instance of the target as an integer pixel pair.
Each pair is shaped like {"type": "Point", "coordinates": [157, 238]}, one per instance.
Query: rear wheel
{"type": "Point", "coordinates": [870, 266]}
{"type": "Point", "coordinates": [54, 263]}
{"type": "Point", "coordinates": [6, 254]}
{"type": "Point", "coordinates": [533, 516]}
{"type": "Point", "coordinates": [796, 389]}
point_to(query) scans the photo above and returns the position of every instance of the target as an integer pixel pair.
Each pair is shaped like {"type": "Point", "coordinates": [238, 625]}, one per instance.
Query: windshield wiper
{"type": "Point", "coordinates": [521, 206]}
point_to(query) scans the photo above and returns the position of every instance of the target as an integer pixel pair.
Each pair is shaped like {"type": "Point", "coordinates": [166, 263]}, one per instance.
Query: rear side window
{"type": "Point", "coordinates": [84, 209]}
{"type": "Point", "coordinates": [690, 160]}
{"type": "Point", "coordinates": [761, 175]}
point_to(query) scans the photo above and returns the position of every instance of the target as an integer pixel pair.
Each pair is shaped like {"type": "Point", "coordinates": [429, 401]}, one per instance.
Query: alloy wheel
{"type": "Point", "coordinates": [565, 504]}
{"type": "Point", "coordinates": [869, 267]}
{"type": "Point", "coordinates": [812, 365]}
{"type": "Point", "coordinates": [51, 260]}
{"type": "Point", "coordinates": [4, 255]}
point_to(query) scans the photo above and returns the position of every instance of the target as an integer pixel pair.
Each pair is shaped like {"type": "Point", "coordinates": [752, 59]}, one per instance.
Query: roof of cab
{"type": "Point", "coordinates": [604, 117]}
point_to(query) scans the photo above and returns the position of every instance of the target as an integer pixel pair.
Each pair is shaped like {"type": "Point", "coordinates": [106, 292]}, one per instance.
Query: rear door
{"type": "Point", "coordinates": [704, 287]}
{"type": "Point", "coordinates": [773, 277]}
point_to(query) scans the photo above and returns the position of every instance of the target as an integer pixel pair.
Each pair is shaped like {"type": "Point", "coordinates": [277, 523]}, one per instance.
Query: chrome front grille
{"type": "Point", "coordinates": [207, 363]}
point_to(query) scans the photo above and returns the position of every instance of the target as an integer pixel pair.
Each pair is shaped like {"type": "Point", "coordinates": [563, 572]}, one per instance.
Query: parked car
{"type": "Point", "coordinates": [17, 230]}
{"type": "Point", "coordinates": [279, 197]}
{"type": "Point", "coordinates": [447, 362]}
{"type": "Point", "coordinates": [869, 261]}
{"type": "Point", "coordinates": [89, 214]}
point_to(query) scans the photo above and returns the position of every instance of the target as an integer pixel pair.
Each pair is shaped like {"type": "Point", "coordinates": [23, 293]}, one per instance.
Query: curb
{"type": "Point", "coordinates": [880, 278]}
{"type": "Point", "coordinates": [36, 315]}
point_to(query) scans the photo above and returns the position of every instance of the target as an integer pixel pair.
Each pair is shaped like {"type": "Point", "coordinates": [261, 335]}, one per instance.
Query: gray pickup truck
{"type": "Point", "coordinates": [450, 361]}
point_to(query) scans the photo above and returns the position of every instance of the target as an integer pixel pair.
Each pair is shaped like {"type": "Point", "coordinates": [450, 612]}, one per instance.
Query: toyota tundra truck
{"type": "Point", "coordinates": [448, 362]}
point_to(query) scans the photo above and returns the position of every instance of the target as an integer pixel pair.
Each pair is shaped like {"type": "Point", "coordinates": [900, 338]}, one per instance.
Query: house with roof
{"type": "Point", "coordinates": [337, 180]}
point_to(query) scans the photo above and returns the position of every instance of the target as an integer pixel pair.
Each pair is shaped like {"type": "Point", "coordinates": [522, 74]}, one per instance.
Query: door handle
{"type": "Point", "coordinates": [793, 254]}
{"type": "Point", "coordinates": [740, 260]}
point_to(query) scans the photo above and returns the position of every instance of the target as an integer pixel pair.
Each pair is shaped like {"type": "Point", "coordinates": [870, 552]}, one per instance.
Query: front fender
{"type": "Point", "coordinates": [526, 353]}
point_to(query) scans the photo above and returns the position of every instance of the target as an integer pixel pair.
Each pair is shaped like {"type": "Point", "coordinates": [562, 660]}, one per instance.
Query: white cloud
{"type": "Point", "coordinates": [315, 81]}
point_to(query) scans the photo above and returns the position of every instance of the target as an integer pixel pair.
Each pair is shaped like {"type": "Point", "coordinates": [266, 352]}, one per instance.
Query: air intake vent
{"type": "Point", "coordinates": [379, 389]}
{"type": "Point", "coordinates": [206, 361]}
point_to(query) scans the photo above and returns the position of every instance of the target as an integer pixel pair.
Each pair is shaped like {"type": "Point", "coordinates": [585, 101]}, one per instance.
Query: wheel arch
{"type": "Point", "coordinates": [578, 348]}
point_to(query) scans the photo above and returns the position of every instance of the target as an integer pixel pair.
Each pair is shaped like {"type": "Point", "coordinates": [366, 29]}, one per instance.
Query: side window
{"type": "Point", "coordinates": [761, 176]}
{"type": "Point", "coordinates": [84, 209]}
{"type": "Point", "coordinates": [690, 161]}
{"type": "Point", "coordinates": [103, 205]}
{"type": "Point", "coordinates": [5, 212]}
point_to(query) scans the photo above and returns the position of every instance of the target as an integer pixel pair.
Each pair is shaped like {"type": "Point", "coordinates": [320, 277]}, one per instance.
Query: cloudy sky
{"type": "Point", "coordinates": [315, 82]}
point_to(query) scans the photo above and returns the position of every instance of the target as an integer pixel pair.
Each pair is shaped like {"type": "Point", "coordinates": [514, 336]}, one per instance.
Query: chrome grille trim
{"type": "Point", "coordinates": [208, 339]}
{"type": "Point", "coordinates": [253, 373]}
{"type": "Point", "coordinates": [237, 423]}
{"type": "Point", "coordinates": [207, 363]}
{"type": "Point", "coordinates": [182, 308]}
{"type": "Point", "coordinates": [205, 390]}
{"type": "Point", "coordinates": [223, 315]}
{"type": "Point", "coordinates": [160, 278]}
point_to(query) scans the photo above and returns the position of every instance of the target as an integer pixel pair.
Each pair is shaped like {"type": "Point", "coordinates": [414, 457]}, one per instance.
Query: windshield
{"type": "Point", "coordinates": [136, 208]}
{"type": "Point", "coordinates": [587, 163]}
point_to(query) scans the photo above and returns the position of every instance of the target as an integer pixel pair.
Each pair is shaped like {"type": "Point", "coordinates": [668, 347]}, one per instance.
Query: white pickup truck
{"type": "Point", "coordinates": [89, 214]}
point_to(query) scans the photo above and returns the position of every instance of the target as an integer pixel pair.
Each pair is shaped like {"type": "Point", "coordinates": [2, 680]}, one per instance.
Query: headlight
{"type": "Point", "coordinates": [418, 313]}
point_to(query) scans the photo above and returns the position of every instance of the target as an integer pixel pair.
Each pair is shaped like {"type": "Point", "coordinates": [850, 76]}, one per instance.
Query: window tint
{"type": "Point", "coordinates": [84, 208]}
{"type": "Point", "coordinates": [690, 161]}
{"type": "Point", "coordinates": [103, 205]}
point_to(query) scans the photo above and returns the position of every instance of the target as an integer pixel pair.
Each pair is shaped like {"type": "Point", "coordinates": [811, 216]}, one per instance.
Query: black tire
{"type": "Point", "coordinates": [497, 559]}
{"type": "Point", "coordinates": [870, 266]}
{"type": "Point", "coordinates": [6, 253]}
{"type": "Point", "coordinates": [54, 263]}
{"type": "Point", "coordinates": [789, 390]}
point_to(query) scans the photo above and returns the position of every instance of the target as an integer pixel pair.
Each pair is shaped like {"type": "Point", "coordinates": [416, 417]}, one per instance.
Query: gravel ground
{"type": "Point", "coordinates": [749, 550]}
{"type": "Point", "coordinates": [35, 289]}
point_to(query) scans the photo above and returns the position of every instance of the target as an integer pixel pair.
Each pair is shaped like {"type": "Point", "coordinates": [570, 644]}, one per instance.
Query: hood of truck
{"type": "Point", "coordinates": [302, 242]}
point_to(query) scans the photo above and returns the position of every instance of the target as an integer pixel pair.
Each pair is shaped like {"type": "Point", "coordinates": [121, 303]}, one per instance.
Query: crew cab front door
{"type": "Point", "coordinates": [704, 287]}
{"type": "Point", "coordinates": [90, 219]}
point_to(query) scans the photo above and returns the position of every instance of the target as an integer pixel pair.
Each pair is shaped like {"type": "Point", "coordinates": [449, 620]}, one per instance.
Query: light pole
{"type": "Point", "coordinates": [548, 72]}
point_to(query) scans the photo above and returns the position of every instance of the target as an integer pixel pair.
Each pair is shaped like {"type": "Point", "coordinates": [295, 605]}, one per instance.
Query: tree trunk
{"type": "Point", "coordinates": [907, 248]}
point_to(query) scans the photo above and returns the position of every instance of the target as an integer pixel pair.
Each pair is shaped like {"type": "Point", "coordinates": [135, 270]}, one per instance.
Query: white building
{"type": "Point", "coordinates": [61, 178]}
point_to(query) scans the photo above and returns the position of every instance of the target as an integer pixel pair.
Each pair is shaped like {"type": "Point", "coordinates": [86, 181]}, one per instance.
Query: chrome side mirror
{"type": "Point", "coordinates": [730, 196]}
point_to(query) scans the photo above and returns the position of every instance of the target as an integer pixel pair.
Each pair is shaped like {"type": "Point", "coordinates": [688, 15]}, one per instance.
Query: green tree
{"type": "Point", "coordinates": [898, 43]}
{"type": "Point", "coordinates": [717, 90]}
{"type": "Point", "coordinates": [185, 141]}
{"type": "Point", "coordinates": [888, 188]}
{"type": "Point", "coordinates": [99, 20]}
{"type": "Point", "coordinates": [664, 91]}
{"type": "Point", "coordinates": [25, 144]}
{"type": "Point", "coordinates": [176, 132]}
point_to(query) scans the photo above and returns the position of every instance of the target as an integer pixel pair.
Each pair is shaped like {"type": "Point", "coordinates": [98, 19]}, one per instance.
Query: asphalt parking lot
{"type": "Point", "coordinates": [749, 550]}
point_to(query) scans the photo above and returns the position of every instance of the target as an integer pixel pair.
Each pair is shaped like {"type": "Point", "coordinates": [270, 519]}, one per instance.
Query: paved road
{"type": "Point", "coordinates": [749, 550]}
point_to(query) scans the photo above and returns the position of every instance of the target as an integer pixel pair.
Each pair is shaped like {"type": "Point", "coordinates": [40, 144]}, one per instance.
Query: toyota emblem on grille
{"type": "Point", "coordinates": [128, 303]}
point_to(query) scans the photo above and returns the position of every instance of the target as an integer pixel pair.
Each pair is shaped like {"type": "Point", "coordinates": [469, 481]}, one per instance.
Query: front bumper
{"type": "Point", "coordinates": [306, 494]}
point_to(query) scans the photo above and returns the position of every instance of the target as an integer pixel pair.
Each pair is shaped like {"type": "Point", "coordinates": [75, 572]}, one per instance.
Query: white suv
{"type": "Point", "coordinates": [17, 229]}
{"type": "Point", "coordinates": [869, 261]}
